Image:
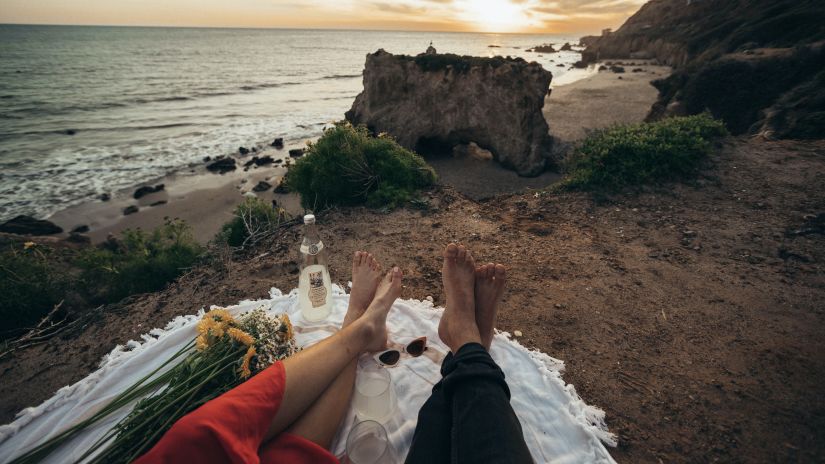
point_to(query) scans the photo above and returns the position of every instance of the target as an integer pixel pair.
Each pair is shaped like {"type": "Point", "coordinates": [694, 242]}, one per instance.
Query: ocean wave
{"type": "Point", "coordinates": [267, 85]}
{"type": "Point", "coordinates": [340, 76]}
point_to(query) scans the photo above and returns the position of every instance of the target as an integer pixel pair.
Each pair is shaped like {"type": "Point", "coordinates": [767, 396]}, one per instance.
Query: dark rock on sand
{"type": "Point", "coordinates": [146, 190]}
{"type": "Point", "coordinates": [243, 151]}
{"type": "Point", "coordinates": [281, 187]}
{"type": "Point", "coordinates": [158, 203]}
{"type": "Point", "coordinates": [279, 161]}
{"type": "Point", "coordinates": [131, 209]}
{"type": "Point", "coordinates": [278, 143]}
{"type": "Point", "coordinates": [638, 70]}
{"type": "Point", "coordinates": [493, 46]}
{"type": "Point", "coordinates": [602, 68]}
{"type": "Point", "coordinates": [82, 229]}
{"type": "Point", "coordinates": [262, 186]}
{"type": "Point", "coordinates": [559, 65]}
{"type": "Point", "coordinates": [27, 225]}
{"type": "Point", "coordinates": [296, 152]}
{"type": "Point", "coordinates": [580, 64]}
{"type": "Point", "coordinates": [546, 48]}
{"type": "Point", "coordinates": [259, 161]}
{"type": "Point", "coordinates": [566, 47]}
{"type": "Point", "coordinates": [222, 165]}
{"type": "Point", "coordinates": [105, 197]}
{"type": "Point", "coordinates": [431, 103]}
{"type": "Point", "coordinates": [617, 69]}
{"type": "Point", "coordinates": [207, 159]}
{"type": "Point", "coordinates": [70, 132]}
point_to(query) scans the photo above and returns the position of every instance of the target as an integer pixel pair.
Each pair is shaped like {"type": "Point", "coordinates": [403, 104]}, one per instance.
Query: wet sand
{"type": "Point", "coordinates": [203, 199]}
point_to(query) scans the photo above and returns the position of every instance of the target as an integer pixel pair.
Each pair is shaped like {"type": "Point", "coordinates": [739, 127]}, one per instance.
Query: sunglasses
{"type": "Point", "coordinates": [390, 358]}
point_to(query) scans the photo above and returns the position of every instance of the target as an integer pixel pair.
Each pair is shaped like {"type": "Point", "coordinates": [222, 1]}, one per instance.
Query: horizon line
{"type": "Point", "coordinates": [579, 34]}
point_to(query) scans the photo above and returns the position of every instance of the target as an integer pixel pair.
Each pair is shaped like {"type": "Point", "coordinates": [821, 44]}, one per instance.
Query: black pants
{"type": "Point", "coordinates": [468, 417]}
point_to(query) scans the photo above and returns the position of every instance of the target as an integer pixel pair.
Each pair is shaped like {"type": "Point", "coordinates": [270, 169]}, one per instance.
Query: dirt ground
{"type": "Point", "coordinates": [691, 313]}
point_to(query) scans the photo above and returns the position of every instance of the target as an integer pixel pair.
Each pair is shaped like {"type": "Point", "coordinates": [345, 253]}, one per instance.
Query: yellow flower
{"type": "Point", "coordinates": [28, 245]}
{"type": "Point", "coordinates": [240, 336]}
{"type": "Point", "coordinates": [222, 315]}
{"type": "Point", "coordinates": [201, 343]}
{"type": "Point", "coordinates": [245, 371]}
{"type": "Point", "coordinates": [288, 324]}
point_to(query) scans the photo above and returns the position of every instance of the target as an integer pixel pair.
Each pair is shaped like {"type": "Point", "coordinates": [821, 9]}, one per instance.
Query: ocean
{"type": "Point", "coordinates": [92, 110]}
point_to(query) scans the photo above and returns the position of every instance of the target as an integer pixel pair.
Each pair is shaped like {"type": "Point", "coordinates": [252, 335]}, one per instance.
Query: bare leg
{"type": "Point", "coordinates": [458, 323]}
{"type": "Point", "coordinates": [321, 421]}
{"type": "Point", "coordinates": [310, 372]}
{"type": "Point", "coordinates": [490, 279]}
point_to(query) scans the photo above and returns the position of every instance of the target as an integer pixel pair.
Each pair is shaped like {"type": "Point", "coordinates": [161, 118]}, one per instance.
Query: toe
{"type": "Point", "coordinates": [489, 270]}
{"type": "Point", "coordinates": [480, 270]}
{"type": "Point", "coordinates": [451, 251]}
{"type": "Point", "coordinates": [462, 253]}
{"type": "Point", "coordinates": [501, 272]}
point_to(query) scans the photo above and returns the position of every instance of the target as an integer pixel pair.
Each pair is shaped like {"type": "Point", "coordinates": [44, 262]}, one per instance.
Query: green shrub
{"type": "Point", "coordinates": [30, 286]}
{"type": "Point", "coordinates": [347, 166]}
{"type": "Point", "coordinates": [644, 153]}
{"type": "Point", "coordinates": [139, 262]}
{"type": "Point", "coordinates": [252, 217]}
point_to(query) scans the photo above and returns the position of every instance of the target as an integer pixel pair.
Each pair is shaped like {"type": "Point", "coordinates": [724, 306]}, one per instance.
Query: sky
{"type": "Point", "coordinates": [517, 16]}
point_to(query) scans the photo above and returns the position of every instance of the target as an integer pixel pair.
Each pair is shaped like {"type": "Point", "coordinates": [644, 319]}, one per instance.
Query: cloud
{"type": "Point", "coordinates": [400, 8]}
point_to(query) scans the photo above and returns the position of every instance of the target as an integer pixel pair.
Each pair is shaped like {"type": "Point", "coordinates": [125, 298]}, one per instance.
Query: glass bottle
{"type": "Point", "coordinates": [314, 284]}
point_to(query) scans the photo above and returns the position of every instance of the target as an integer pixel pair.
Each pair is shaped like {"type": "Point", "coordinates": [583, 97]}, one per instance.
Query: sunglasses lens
{"type": "Point", "coordinates": [390, 357]}
{"type": "Point", "coordinates": [416, 348]}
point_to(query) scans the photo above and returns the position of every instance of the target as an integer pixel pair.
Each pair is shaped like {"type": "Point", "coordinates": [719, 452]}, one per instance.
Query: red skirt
{"type": "Point", "coordinates": [231, 427]}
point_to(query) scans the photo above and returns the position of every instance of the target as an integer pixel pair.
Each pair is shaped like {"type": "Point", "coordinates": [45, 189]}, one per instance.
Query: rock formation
{"type": "Point", "coordinates": [27, 225]}
{"type": "Point", "coordinates": [756, 64]}
{"type": "Point", "coordinates": [431, 103]}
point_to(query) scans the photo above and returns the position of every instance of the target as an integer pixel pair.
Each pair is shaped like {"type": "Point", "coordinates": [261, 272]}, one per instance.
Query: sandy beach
{"type": "Point", "coordinates": [603, 100]}
{"type": "Point", "coordinates": [206, 200]}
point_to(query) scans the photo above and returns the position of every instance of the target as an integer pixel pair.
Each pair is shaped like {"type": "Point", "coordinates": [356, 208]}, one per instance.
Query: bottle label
{"type": "Point", "coordinates": [317, 290]}
{"type": "Point", "coordinates": [313, 249]}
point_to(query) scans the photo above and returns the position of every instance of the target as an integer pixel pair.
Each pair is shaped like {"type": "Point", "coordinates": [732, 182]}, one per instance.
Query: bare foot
{"type": "Point", "coordinates": [366, 274]}
{"type": "Point", "coordinates": [375, 317]}
{"type": "Point", "coordinates": [458, 324]}
{"type": "Point", "coordinates": [490, 279]}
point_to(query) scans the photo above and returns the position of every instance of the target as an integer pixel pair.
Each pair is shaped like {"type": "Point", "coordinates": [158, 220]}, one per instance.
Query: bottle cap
{"type": "Point", "coordinates": [309, 219]}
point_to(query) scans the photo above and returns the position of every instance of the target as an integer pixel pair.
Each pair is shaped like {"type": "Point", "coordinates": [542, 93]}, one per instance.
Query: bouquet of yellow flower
{"type": "Point", "coordinates": [226, 352]}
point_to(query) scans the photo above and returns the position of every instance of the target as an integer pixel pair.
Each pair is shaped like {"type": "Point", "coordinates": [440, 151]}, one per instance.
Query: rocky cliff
{"type": "Point", "coordinates": [753, 63]}
{"type": "Point", "coordinates": [433, 102]}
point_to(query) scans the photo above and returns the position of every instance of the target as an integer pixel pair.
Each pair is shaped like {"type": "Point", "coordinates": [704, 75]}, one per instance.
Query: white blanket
{"type": "Point", "coordinates": [558, 426]}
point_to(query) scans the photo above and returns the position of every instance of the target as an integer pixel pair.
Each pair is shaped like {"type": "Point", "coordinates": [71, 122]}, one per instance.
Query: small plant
{"type": "Point", "coordinates": [139, 262]}
{"type": "Point", "coordinates": [347, 166]}
{"type": "Point", "coordinates": [637, 154]}
{"type": "Point", "coordinates": [254, 219]}
{"type": "Point", "coordinates": [30, 286]}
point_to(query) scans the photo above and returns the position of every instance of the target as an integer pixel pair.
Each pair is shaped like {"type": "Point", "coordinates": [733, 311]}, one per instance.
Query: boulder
{"type": "Point", "coordinates": [222, 165]}
{"type": "Point", "coordinates": [617, 69]}
{"type": "Point", "coordinates": [158, 203]}
{"type": "Point", "coordinates": [296, 152]}
{"type": "Point", "coordinates": [566, 47]}
{"type": "Point", "coordinates": [546, 48]}
{"type": "Point", "coordinates": [27, 225]}
{"type": "Point", "coordinates": [278, 143]}
{"type": "Point", "coordinates": [430, 103]}
{"type": "Point", "coordinates": [243, 151]}
{"type": "Point", "coordinates": [131, 209]}
{"type": "Point", "coordinates": [472, 150]}
{"type": "Point", "coordinates": [105, 196]}
{"type": "Point", "coordinates": [146, 190]}
{"type": "Point", "coordinates": [82, 229]}
{"type": "Point", "coordinates": [262, 186]}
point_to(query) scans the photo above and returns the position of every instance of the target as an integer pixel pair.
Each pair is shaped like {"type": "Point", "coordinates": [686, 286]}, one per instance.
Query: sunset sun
{"type": "Point", "coordinates": [494, 15]}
